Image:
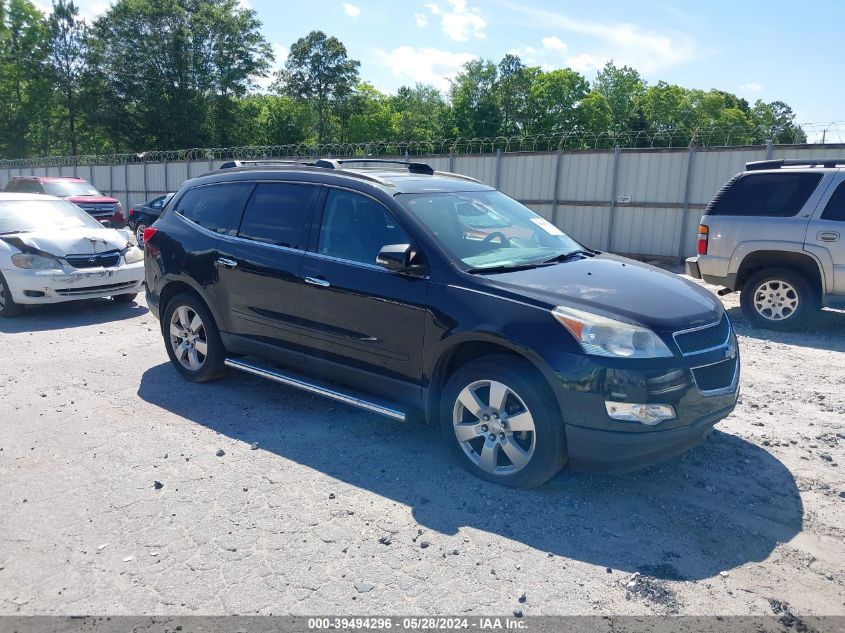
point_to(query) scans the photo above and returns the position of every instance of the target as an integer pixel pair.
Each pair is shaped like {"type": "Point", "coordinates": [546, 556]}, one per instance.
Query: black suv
{"type": "Point", "coordinates": [406, 291]}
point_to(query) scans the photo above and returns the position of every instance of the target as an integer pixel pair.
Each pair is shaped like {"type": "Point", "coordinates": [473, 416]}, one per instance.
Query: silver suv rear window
{"type": "Point", "coordinates": [774, 195]}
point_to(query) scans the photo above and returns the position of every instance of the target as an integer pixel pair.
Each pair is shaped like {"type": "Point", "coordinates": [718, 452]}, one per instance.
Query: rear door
{"type": "Point", "coordinates": [362, 324]}
{"type": "Point", "coordinates": [258, 267]}
{"type": "Point", "coordinates": [826, 232]}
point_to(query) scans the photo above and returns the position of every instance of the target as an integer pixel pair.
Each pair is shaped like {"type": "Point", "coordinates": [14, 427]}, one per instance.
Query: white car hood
{"type": "Point", "coordinates": [76, 241]}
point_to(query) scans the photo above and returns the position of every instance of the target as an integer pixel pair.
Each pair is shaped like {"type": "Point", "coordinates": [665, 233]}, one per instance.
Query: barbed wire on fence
{"type": "Point", "coordinates": [668, 137]}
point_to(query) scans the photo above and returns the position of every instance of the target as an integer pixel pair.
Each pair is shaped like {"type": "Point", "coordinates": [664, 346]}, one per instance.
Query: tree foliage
{"type": "Point", "coordinates": [175, 74]}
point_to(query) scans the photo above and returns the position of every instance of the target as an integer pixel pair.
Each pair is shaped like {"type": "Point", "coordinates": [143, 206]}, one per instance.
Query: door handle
{"type": "Point", "coordinates": [827, 236]}
{"type": "Point", "coordinates": [228, 263]}
{"type": "Point", "coordinates": [317, 282]}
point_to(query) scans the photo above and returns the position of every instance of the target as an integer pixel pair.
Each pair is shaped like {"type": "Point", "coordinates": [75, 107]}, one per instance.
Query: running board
{"type": "Point", "coordinates": [300, 383]}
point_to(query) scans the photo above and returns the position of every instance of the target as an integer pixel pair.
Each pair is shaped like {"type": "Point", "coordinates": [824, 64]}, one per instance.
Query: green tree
{"type": "Point", "coordinates": [68, 34]}
{"type": "Point", "coordinates": [623, 89]}
{"type": "Point", "coordinates": [167, 69]}
{"type": "Point", "coordinates": [318, 70]}
{"type": "Point", "coordinates": [775, 122]}
{"type": "Point", "coordinates": [25, 90]}
{"type": "Point", "coordinates": [419, 113]}
{"type": "Point", "coordinates": [514, 86]}
{"type": "Point", "coordinates": [476, 111]}
{"type": "Point", "coordinates": [555, 96]}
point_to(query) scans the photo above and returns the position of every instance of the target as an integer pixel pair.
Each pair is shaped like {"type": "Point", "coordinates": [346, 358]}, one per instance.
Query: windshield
{"type": "Point", "coordinates": [487, 229]}
{"type": "Point", "coordinates": [68, 188]}
{"type": "Point", "coordinates": [22, 216]}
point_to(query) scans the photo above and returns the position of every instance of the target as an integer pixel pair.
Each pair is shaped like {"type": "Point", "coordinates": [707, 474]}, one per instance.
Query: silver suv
{"type": "Point", "coordinates": [775, 233]}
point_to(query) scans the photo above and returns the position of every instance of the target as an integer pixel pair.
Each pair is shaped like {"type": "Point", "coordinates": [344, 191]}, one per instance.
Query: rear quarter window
{"type": "Point", "coordinates": [770, 195]}
{"type": "Point", "coordinates": [214, 207]}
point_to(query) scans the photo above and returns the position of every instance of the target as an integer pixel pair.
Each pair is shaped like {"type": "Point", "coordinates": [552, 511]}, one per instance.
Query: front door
{"type": "Point", "coordinates": [362, 324]}
{"type": "Point", "coordinates": [826, 232]}
{"type": "Point", "coordinates": [258, 267]}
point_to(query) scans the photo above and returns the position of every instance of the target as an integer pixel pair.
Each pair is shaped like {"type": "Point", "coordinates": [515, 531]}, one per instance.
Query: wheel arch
{"type": "Point", "coordinates": [804, 264]}
{"type": "Point", "coordinates": [174, 287]}
{"type": "Point", "coordinates": [472, 346]}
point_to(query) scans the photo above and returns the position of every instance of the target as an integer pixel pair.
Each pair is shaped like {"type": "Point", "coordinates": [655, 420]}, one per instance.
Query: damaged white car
{"type": "Point", "coordinates": [52, 251]}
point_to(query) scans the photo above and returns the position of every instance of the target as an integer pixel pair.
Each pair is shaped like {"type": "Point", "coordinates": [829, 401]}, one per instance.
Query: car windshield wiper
{"type": "Point", "coordinates": [506, 268]}
{"type": "Point", "coordinates": [11, 232]}
{"type": "Point", "coordinates": [565, 257]}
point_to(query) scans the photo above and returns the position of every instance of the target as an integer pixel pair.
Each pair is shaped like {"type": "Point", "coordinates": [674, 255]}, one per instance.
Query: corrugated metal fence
{"type": "Point", "coordinates": [636, 201]}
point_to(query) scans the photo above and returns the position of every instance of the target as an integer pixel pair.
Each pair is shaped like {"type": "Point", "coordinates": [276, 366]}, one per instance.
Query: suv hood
{"type": "Point", "coordinates": [91, 199]}
{"type": "Point", "coordinates": [80, 241]}
{"type": "Point", "coordinates": [619, 288]}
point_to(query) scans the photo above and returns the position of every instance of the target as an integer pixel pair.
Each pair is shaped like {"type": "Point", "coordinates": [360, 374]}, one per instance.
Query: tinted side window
{"type": "Point", "coordinates": [26, 186]}
{"type": "Point", "coordinates": [356, 227]}
{"type": "Point", "coordinates": [777, 195]}
{"type": "Point", "coordinates": [835, 209]}
{"type": "Point", "coordinates": [277, 213]}
{"type": "Point", "coordinates": [214, 207]}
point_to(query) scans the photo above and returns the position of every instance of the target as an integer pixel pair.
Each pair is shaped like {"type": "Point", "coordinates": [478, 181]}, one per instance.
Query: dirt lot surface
{"type": "Point", "coordinates": [274, 501]}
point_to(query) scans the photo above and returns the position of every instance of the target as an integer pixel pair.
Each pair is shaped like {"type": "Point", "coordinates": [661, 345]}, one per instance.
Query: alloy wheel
{"type": "Point", "coordinates": [188, 338]}
{"type": "Point", "coordinates": [494, 427]}
{"type": "Point", "coordinates": [776, 300]}
{"type": "Point", "coordinates": [2, 297]}
{"type": "Point", "coordinates": [139, 234]}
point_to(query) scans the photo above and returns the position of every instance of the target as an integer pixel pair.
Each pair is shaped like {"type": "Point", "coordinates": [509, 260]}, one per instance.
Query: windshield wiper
{"type": "Point", "coordinates": [506, 268]}
{"type": "Point", "coordinates": [565, 257]}
{"type": "Point", "coordinates": [11, 232]}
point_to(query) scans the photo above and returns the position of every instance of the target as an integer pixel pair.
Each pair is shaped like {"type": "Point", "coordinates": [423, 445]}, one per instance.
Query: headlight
{"type": "Point", "coordinates": [601, 336]}
{"type": "Point", "coordinates": [38, 262]}
{"type": "Point", "coordinates": [133, 255]}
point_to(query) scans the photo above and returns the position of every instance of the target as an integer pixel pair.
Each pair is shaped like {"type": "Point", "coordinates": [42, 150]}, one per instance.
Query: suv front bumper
{"type": "Point", "coordinates": [598, 443]}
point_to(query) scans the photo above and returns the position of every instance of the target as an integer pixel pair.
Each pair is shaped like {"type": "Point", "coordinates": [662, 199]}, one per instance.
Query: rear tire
{"type": "Point", "coordinates": [192, 339]}
{"type": "Point", "coordinates": [778, 299]}
{"type": "Point", "coordinates": [127, 298]}
{"type": "Point", "coordinates": [502, 423]}
{"type": "Point", "coordinates": [8, 307]}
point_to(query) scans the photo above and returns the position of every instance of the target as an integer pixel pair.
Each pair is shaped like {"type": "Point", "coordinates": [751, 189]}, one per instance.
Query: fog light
{"type": "Point", "coordinates": [648, 414]}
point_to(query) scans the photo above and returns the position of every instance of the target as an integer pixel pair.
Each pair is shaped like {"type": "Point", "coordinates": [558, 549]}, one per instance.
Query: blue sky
{"type": "Point", "coordinates": [772, 50]}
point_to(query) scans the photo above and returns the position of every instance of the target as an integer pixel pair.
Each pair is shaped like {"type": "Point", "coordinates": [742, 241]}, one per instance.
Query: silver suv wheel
{"type": "Point", "coordinates": [188, 338]}
{"type": "Point", "coordinates": [776, 300]}
{"type": "Point", "coordinates": [494, 427]}
{"type": "Point", "coordinates": [139, 234]}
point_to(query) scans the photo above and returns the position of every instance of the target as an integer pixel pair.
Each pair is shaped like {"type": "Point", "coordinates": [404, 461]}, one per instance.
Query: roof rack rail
{"type": "Point", "coordinates": [232, 164]}
{"type": "Point", "coordinates": [458, 176]}
{"type": "Point", "coordinates": [414, 168]}
{"type": "Point", "coordinates": [793, 162]}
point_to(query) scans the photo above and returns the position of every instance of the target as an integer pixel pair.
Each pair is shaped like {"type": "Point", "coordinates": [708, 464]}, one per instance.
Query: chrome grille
{"type": "Point", "coordinates": [94, 260]}
{"type": "Point", "coordinates": [103, 210]}
{"type": "Point", "coordinates": [703, 339]}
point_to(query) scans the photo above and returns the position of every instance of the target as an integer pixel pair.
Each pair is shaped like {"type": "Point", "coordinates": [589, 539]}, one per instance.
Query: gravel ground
{"type": "Point", "coordinates": [273, 501]}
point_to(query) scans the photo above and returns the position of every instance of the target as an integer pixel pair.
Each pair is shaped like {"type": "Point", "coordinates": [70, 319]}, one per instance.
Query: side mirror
{"type": "Point", "coordinates": [395, 257]}
{"type": "Point", "coordinates": [106, 223]}
{"type": "Point", "coordinates": [400, 258]}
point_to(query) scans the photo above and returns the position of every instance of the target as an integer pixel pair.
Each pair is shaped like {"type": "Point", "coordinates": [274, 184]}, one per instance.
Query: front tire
{"type": "Point", "coordinates": [8, 307]}
{"type": "Point", "coordinates": [502, 423]}
{"type": "Point", "coordinates": [127, 298]}
{"type": "Point", "coordinates": [192, 339]}
{"type": "Point", "coordinates": [778, 299]}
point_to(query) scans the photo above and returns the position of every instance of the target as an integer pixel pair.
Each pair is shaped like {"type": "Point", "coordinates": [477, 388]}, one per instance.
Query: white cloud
{"type": "Point", "coordinates": [554, 43]}
{"type": "Point", "coordinates": [351, 10]}
{"type": "Point", "coordinates": [426, 65]}
{"type": "Point", "coordinates": [421, 19]}
{"type": "Point", "coordinates": [461, 20]}
{"type": "Point", "coordinates": [435, 9]}
{"type": "Point", "coordinates": [90, 10]}
{"type": "Point", "coordinates": [751, 86]}
{"type": "Point", "coordinates": [584, 62]}
{"type": "Point", "coordinates": [626, 43]}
